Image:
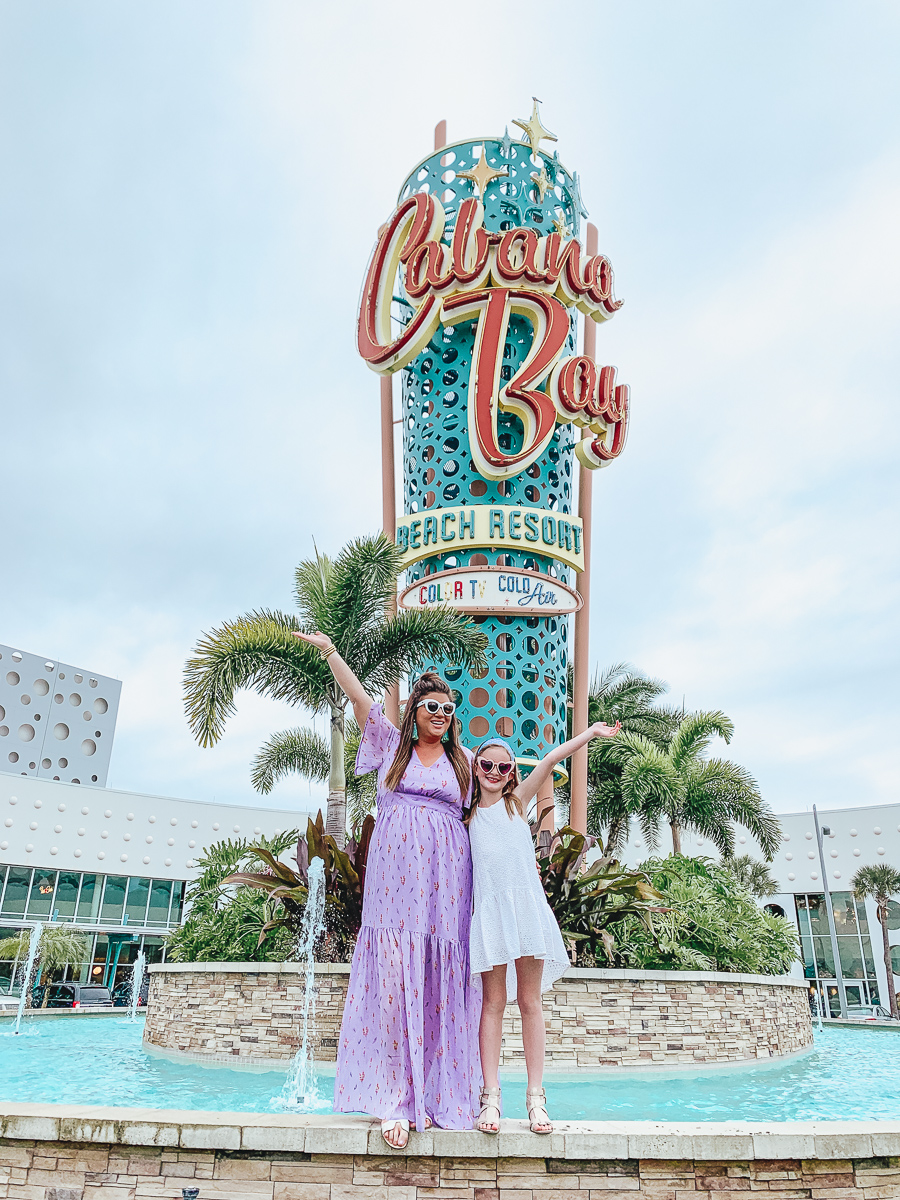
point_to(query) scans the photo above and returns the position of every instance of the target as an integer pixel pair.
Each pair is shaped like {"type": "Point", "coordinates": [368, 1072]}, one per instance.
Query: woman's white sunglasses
{"type": "Point", "coordinates": [448, 708]}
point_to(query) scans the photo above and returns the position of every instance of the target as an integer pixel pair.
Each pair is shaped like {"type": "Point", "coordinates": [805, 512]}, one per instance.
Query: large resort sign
{"type": "Point", "coordinates": [472, 296]}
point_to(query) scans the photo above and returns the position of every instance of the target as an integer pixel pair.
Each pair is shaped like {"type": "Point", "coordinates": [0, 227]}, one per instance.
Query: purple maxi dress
{"type": "Point", "coordinates": [409, 1036]}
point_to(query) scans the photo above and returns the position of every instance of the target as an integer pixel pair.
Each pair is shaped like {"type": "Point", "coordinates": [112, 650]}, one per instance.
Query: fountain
{"type": "Point", "coordinates": [300, 1093]}
{"type": "Point", "coordinates": [137, 980]}
{"type": "Point", "coordinates": [36, 931]}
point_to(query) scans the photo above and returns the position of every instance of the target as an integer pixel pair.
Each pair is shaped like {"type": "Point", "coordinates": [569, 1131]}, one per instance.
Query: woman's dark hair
{"type": "Point", "coordinates": [510, 799]}
{"type": "Point", "coordinates": [429, 682]}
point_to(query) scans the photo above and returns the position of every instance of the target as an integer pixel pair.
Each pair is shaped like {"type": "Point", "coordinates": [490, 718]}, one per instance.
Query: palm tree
{"type": "Point", "coordinates": [305, 752]}
{"type": "Point", "coordinates": [626, 695]}
{"type": "Point", "coordinates": [752, 874]}
{"type": "Point", "coordinates": [880, 882]}
{"type": "Point", "coordinates": [679, 784]}
{"type": "Point", "coordinates": [60, 946]}
{"type": "Point", "coordinates": [349, 599]}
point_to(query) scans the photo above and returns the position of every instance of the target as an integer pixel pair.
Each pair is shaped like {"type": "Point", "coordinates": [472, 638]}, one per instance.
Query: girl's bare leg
{"type": "Point", "coordinates": [534, 1033]}
{"type": "Point", "coordinates": [490, 1031]}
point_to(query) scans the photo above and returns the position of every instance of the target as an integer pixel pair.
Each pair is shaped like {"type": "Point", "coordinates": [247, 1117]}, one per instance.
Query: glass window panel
{"type": "Point", "coordinates": [844, 907]}
{"type": "Point", "coordinates": [833, 1000]}
{"type": "Point", "coordinates": [893, 919]}
{"type": "Point", "coordinates": [854, 993]}
{"type": "Point", "coordinates": [802, 914]}
{"type": "Point", "coordinates": [89, 900]}
{"type": "Point", "coordinates": [16, 895]}
{"type": "Point", "coordinates": [177, 905]}
{"type": "Point", "coordinates": [873, 991]}
{"type": "Point", "coordinates": [100, 950]}
{"type": "Point", "coordinates": [818, 917]}
{"type": "Point", "coordinates": [809, 961]}
{"type": "Point", "coordinates": [43, 885]}
{"type": "Point", "coordinates": [66, 895]}
{"type": "Point", "coordinates": [136, 904]}
{"type": "Point", "coordinates": [867, 955]}
{"type": "Point", "coordinates": [851, 957]}
{"type": "Point", "coordinates": [862, 919]}
{"type": "Point", "coordinates": [153, 949]}
{"type": "Point", "coordinates": [114, 898]}
{"type": "Point", "coordinates": [824, 957]}
{"type": "Point", "coordinates": [2, 877]}
{"type": "Point", "coordinates": [160, 899]}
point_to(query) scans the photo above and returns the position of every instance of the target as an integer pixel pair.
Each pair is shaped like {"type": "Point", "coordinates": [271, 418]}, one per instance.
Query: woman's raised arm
{"type": "Point", "coordinates": [529, 788]}
{"type": "Point", "coordinates": [349, 684]}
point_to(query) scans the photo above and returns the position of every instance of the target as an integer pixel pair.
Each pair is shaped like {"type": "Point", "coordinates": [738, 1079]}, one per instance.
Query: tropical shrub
{"type": "Point", "coordinates": [60, 946]}
{"type": "Point", "coordinates": [288, 889]}
{"type": "Point", "coordinates": [590, 902]}
{"type": "Point", "coordinates": [711, 923]}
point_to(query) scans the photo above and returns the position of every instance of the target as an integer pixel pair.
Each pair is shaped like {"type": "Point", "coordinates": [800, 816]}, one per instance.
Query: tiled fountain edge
{"type": "Point", "coordinates": [359, 1135]}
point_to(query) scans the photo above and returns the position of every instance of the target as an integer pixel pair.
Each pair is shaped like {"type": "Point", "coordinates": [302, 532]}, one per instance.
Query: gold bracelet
{"type": "Point", "coordinates": [331, 649]}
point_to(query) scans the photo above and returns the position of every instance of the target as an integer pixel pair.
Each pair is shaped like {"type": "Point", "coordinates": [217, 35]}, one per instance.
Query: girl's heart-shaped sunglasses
{"type": "Point", "coordinates": [487, 765]}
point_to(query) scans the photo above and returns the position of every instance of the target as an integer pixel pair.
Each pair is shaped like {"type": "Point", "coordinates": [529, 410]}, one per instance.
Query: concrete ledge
{"type": "Point", "coordinates": [574, 973]}
{"type": "Point", "coordinates": [359, 1135]}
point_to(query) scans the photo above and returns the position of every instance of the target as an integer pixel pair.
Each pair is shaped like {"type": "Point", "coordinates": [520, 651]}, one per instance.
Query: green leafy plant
{"type": "Point", "coordinates": [590, 901]}
{"type": "Point", "coordinates": [348, 598]}
{"type": "Point", "coordinates": [752, 874]}
{"type": "Point", "coordinates": [711, 923]}
{"type": "Point", "coordinates": [880, 882]}
{"type": "Point", "coordinates": [288, 889]}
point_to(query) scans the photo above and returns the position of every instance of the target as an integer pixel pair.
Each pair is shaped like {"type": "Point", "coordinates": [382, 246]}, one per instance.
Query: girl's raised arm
{"type": "Point", "coordinates": [529, 788]}
{"type": "Point", "coordinates": [349, 684]}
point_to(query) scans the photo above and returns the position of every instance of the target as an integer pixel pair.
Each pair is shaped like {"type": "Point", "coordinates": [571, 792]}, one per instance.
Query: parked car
{"type": "Point", "coordinates": [121, 997]}
{"type": "Point", "coordinates": [78, 995]}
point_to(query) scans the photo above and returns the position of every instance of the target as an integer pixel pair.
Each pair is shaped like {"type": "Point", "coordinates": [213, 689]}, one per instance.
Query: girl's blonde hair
{"type": "Point", "coordinates": [429, 682]}
{"type": "Point", "coordinates": [510, 799]}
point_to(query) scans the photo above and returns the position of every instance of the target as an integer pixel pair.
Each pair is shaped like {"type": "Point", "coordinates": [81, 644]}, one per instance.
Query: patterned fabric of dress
{"type": "Point", "coordinates": [409, 1035]}
{"type": "Point", "coordinates": [512, 918]}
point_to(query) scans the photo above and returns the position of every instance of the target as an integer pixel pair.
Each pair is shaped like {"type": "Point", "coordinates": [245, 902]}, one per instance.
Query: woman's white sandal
{"type": "Point", "coordinates": [389, 1127]}
{"type": "Point", "coordinates": [490, 1100]}
{"type": "Point", "coordinates": [536, 1101]}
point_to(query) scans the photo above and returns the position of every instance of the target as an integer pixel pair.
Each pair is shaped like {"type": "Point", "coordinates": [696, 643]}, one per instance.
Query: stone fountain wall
{"type": "Point", "coordinates": [249, 1014]}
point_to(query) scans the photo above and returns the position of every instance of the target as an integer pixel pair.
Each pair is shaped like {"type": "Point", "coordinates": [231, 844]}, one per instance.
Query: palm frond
{"type": "Point", "coordinates": [880, 882]}
{"type": "Point", "coordinates": [718, 791]}
{"type": "Point", "coordinates": [695, 733]}
{"type": "Point", "coordinates": [256, 651]}
{"type": "Point", "coordinates": [291, 752]}
{"type": "Point", "coordinates": [415, 639]}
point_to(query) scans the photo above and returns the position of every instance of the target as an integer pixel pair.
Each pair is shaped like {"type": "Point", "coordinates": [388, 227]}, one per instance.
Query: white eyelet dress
{"type": "Point", "coordinates": [512, 918]}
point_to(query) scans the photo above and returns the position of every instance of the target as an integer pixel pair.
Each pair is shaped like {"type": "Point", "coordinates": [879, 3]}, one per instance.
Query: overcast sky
{"type": "Point", "coordinates": [189, 195]}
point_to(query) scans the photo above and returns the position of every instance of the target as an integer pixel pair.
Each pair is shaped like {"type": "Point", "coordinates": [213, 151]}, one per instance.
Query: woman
{"type": "Point", "coordinates": [407, 1045]}
{"type": "Point", "coordinates": [513, 925]}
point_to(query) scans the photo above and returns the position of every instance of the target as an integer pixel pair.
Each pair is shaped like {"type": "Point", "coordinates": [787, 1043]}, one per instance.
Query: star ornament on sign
{"type": "Point", "coordinates": [535, 132]}
{"type": "Point", "coordinates": [482, 174]}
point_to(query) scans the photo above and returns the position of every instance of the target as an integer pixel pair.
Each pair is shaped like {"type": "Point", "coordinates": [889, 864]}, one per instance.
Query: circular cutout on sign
{"type": "Point", "coordinates": [451, 491]}
{"type": "Point", "coordinates": [429, 500]}
{"type": "Point", "coordinates": [531, 645]}
{"type": "Point", "coordinates": [478, 672]}
{"type": "Point", "coordinates": [550, 677]}
{"type": "Point", "coordinates": [428, 453]}
{"type": "Point", "coordinates": [505, 669]}
{"type": "Point", "coordinates": [530, 673]}
{"type": "Point", "coordinates": [429, 475]}
{"type": "Point", "coordinates": [41, 687]}
{"type": "Point", "coordinates": [452, 673]}
{"type": "Point", "coordinates": [479, 697]}
{"type": "Point", "coordinates": [26, 732]}
{"type": "Point", "coordinates": [505, 697]}
{"type": "Point", "coordinates": [530, 730]}
{"type": "Point", "coordinates": [12, 678]}
{"type": "Point", "coordinates": [504, 726]}
{"type": "Point", "coordinates": [549, 706]}
{"type": "Point", "coordinates": [477, 488]}
{"type": "Point", "coordinates": [505, 642]}
{"type": "Point", "coordinates": [532, 494]}
{"type": "Point", "coordinates": [530, 701]}
{"type": "Point", "coordinates": [478, 560]}
{"type": "Point", "coordinates": [479, 726]}
{"type": "Point", "coordinates": [60, 732]}
{"type": "Point", "coordinates": [549, 735]}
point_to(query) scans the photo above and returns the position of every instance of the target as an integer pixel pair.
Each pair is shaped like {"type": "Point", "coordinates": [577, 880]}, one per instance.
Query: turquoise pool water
{"type": "Point", "coordinates": [852, 1074]}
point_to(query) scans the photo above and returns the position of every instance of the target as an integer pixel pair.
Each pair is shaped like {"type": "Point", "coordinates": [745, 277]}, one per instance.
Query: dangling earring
{"type": "Point", "coordinates": [415, 733]}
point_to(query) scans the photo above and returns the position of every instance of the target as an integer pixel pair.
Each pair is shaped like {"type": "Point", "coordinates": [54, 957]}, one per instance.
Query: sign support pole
{"type": "Point", "coordinates": [582, 666]}
{"type": "Point", "coordinates": [389, 512]}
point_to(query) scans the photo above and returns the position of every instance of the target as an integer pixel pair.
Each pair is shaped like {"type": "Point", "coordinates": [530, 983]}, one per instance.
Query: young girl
{"type": "Point", "coordinates": [512, 921]}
